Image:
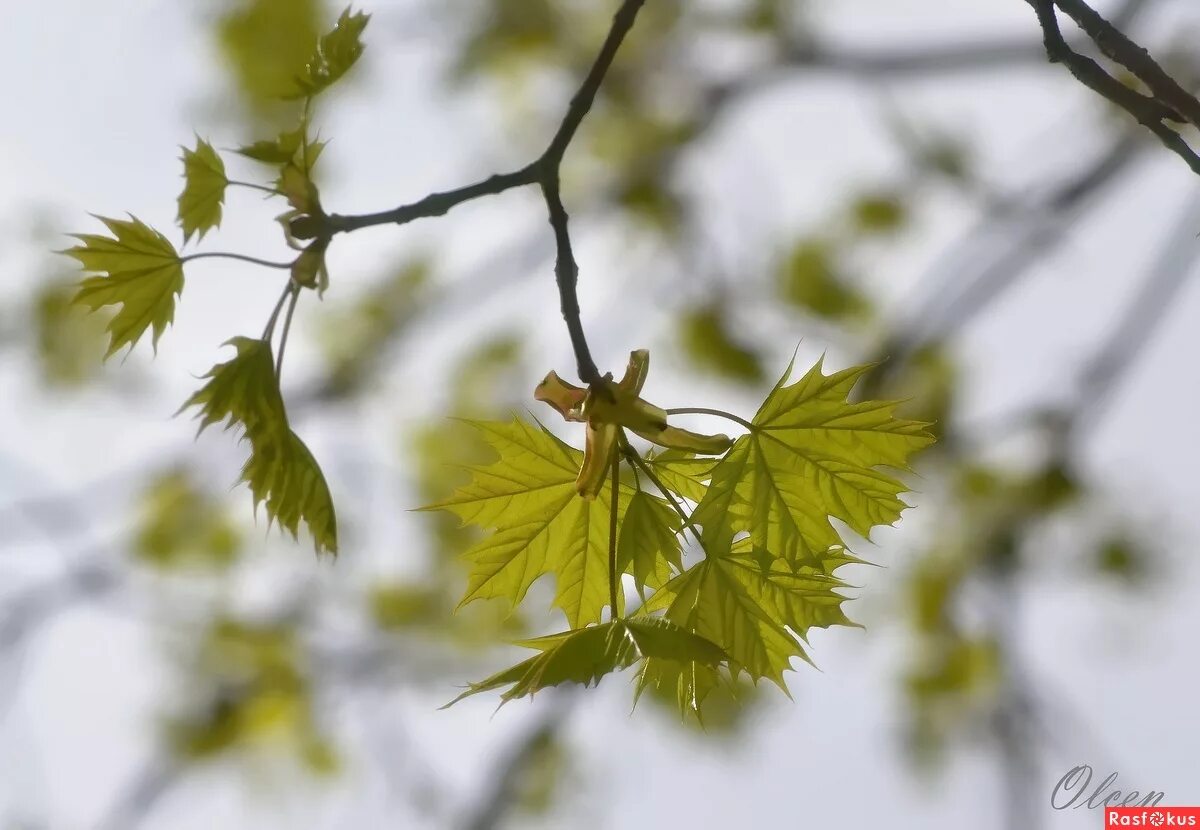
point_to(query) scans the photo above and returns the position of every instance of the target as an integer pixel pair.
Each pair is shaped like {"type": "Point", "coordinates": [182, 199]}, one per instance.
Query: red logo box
{"type": "Point", "coordinates": [1152, 817]}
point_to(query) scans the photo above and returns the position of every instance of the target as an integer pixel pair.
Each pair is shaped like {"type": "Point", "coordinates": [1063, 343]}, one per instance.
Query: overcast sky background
{"type": "Point", "coordinates": [98, 96]}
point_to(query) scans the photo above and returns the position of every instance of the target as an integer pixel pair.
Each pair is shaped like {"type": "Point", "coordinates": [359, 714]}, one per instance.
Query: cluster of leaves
{"type": "Point", "coordinates": [138, 275]}
{"type": "Point", "coordinates": [730, 544]}
{"type": "Point", "coordinates": [760, 524]}
{"type": "Point", "coordinates": [251, 691]}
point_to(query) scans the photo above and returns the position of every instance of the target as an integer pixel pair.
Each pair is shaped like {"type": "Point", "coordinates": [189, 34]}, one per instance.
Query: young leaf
{"type": "Point", "coordinates": [731, 600]}
{"type": "Point", "coordinates": [281, 472]}
{"type": "Point", "coordinates": [336, 53]}
{"type": "Point", "coordinates": [684, 474]}
{"type": "Point", "coordinates": [648, 539]}
{"type": "Point", "coordinates": [587, 654]}
{"type": "Point", "coordinates": [280, 150]}
{"type": "Point", "coordinates": [283, 475]}
{"type": "Point", "coordinates": [542, 525]}
{"type": "Point", "coordinates": [142, 273]}
{"type": "Point", "coordinates": [811, 454]}
{"type": "Point", "coordinates": [203, 190]}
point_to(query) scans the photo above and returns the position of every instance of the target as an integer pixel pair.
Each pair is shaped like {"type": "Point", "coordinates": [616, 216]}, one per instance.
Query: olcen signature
{"type": "Point", "coordinates": [1072, 791]}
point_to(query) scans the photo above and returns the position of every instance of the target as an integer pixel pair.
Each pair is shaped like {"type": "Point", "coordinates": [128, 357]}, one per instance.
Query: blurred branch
{"type": "Point", "coordinates": [27, 611]}
{"type": "Point", "coordinates": [954, 300]}
{"type": "Point", "coordinates": [145, 792]}
{"type": "Point", "coordinates": [505, 777]}
{"type": "Point", "coordinates": [1133, 332]}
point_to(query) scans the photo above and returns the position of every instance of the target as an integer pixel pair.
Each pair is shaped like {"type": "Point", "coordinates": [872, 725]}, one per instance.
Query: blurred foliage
{"type": "Point", "coordinates": [68, 340]}
{"type": "Point", "coordinates": [812, 278]}
{"type": "Point", "coordinates": [879, 212]}
{"type": "Point", "coordinates": [250, 690]}
{"type": "Point", "coordinates": [265, 45]}
{"type": "Point", "coordinates": [355, 336]}
{"type": "Point", "coordinates": [183, 525]}
{"type": "Point", "coordinates": [710, 344]}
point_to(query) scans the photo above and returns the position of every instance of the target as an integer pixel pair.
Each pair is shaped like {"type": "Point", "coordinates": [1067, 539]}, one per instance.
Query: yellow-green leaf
{"type": "Point", "coordinates": [811, 455]}
{"type": "Point", "coordinates": [183, 525]}
{"type": "Point", "coordinates": [139, 270]}
{"type": "Point", "coordinates": [542, 525]}
{"type": "Point", "coordinates": [281, 472]}
{"type": "Point", "coordinates": [754, 614]}
{"type": "Point", "coordinates": [336, 52]}
{"type": "Point", "coordinates": [682, 473]}
{"type": "Point", "coordinates": [203, 190]}
{"type": "Point", "coordinates": [648, 539]}
{"type": "Point", "coordinates": [585, 655]}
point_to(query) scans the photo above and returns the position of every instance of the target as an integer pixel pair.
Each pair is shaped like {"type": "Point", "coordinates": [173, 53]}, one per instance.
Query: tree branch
{"type": "Point", "coordinates": [544, 172]}
{"type": "Point", "coordinates": [435, 204]}
{"type": "Point", "coordinates": [1149, 110]}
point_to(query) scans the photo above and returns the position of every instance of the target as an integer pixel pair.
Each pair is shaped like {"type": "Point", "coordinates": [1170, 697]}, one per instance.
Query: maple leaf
{"type": "Point", "coordinates": [648, 542]}
{"type": "Point", "coordinates": [542, 525]}
{"type": "Point", "coordinates": [757, 615]}
{"type": "Point", "coordinates": [810, 455]}
{"type": "Point", "coordinates": [336, 52]}
{"type": "Point", "coordinates": [585, 655]}
{"type": "Point", "coordinates": [683, 473]}
{"type": "Point", "coordinates": [281, 472]}
{"type": "Point", "coordinates": [203, 190]}
{"type": "Point", "coordinates": [142, 273]}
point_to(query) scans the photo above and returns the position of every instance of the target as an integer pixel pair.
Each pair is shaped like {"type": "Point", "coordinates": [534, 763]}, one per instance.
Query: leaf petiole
{"type": "Point", "coordinates": [266, 263]}
{"type": "Point", "coordinates": [612, 534]}
{"type": "Point", "coordinates": [720, 413]}
{"type": "Point", "coordinates": [252, 186]}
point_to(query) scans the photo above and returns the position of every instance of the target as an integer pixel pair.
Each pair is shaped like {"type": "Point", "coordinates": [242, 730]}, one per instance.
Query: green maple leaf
{"type": "Point", "coordinates": [586, 655]}
{"type": "Point", "coordinates": [336, 52]}
{"type": "Point", "coordinates": [281, 472]}
{"type": "Point", "coordinates": [648, 541]}
{"type": "Point", "coordinates": [683, 473]}
{"type": "Point", "coordinates": [203, 190]}
{"type": "Point", "coordinates": [541, 524]}
{"type": "Point", "coordinates": [759, 616]}
{"type": "Point", "coordinates": [141, 272]}
{"type": "Point", "coordinates": [289, 147]}
{"type": "Point", "coordinates": [810, 455]}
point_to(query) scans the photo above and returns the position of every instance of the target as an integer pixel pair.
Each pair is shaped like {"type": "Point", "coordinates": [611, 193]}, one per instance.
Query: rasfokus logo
{"type": "Point", "coordinates": [1151, 817]}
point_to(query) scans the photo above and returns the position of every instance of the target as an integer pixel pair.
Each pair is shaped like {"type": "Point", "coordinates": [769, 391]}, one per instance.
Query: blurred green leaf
{"type": "Point", "coordinates": [709, 344]}
{"type": "Point", "coordinates": [266, 45]}
{"type": "Point", "coordinates": [811, 279]}
{"type": "Point", "coordinates": [252, 690]}
{"type": "Point", "coordinates": [69, 341]}
{"type": "Point", "coordinates": [879, 212]}
{"type": "Point", "coordinates": [182, 525]}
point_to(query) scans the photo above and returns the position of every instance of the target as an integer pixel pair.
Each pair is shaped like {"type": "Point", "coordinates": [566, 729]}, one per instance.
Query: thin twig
{"type": "Point", "coordinates": [1147, 109]}
{"type": "Point", "coordinates": [543, 172]}
{"type": "Point", "coordinates": [287, 328]}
